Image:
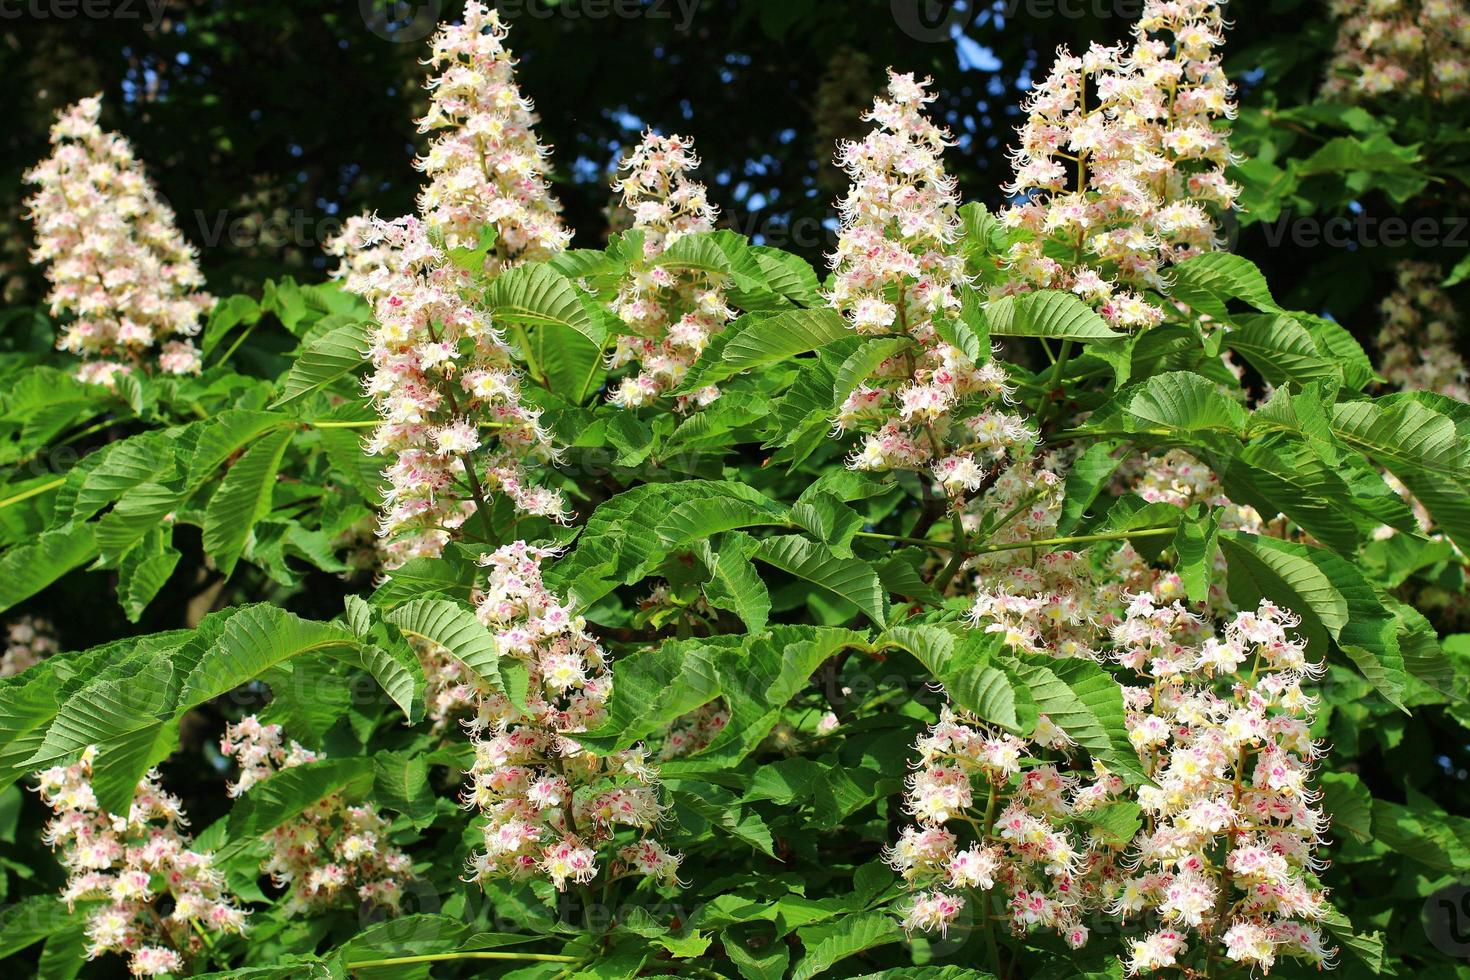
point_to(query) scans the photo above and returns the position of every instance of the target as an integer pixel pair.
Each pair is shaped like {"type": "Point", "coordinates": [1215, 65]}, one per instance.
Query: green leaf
{"type": "Point", "coordinates": [536, 295]}
{"type": "Point", "coordinates": [400, 675]}
{"type": "Point", "coordinates": [852, 579]}
{"type": "Point", "coordinates": [969, 333]}
{"type": "Point", "coordinates": [456, 629]}
{"type": "Point", "coordinates": [620, 543]}
{"type": "Point", "coordinates": [1366, 947]}
{"type": "Point", "coordinates": [860, 365]}
{"type": "Point", "coordinates": [964, 664]}
{"type": "Point", "coordinates": [1347, 801]}
{"type": "Point", "coordinates": [717, 805]}
{"type": "Point", "coordinates": [28, 569]}
{"type": "Point", "coordinates": [1421, 447]}
{"type": "Point", "coordinates": [1335, 603]}
{"type": "Point", "coordinates": [734, 583]}
{"type": "Point", "coordinates": [243, 498]}
{"type": "Point", "coordinates": [1180, 402]}
{"type": "Point", "coordinates": [401, 783]}
{"type": "Point", "coordinates": [654, 687]}
{"type": "Point", "coordinates": [1084, 701]}
{"type": "Point", "coordinates": [1046, 313]}
{"type": "Point", "coordinates": [143, 572]}
{"type": "Point", "coordinates": [1195, 545]}
{"type": "Point", "coordinates": [1281, 349]}
{"type": "Point", "coordinates": [829, 520]}
{"type": "Point", "coordinates": [254, 639]}
{"type": "Point", "coordinates": [1085, 480]}
{"type": "Point", "coordinates": [31, 920]}
{"type": "Point", "coordinates": [707, 516]}
{"type": "Point", "coordinates": [761, 339]}
{"type": "Point", "coordinates": [289, 792]}
{"type": "Point", "coordinates": [847, 937]}
{"type": "Point", "coordinates": [329, 357]}
{"type": "Point", "coordinates": [1209, 281]}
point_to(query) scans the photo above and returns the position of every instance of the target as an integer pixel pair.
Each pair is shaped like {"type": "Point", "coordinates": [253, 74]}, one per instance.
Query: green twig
{"type": "Point", "coordinates": [437, 957]}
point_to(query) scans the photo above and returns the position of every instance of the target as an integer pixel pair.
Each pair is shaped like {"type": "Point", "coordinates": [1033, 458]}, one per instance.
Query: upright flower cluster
{"type": "Point", "coordinates": [333, 853]}
{"type": "Point", "coordinates": [1226, 857]}
{"type": "Point", "coordinates": [1415, 48]}
{"type": "Point", "coordinates": [550, 807]}
{"type": "Point", "coordinates": [1222, 725]}
{"type": "Point", "coordinates": [672, 313]}
{"type": "Point", "coordinates": [1121, 163]}
{"type": "Point", "coordinates": [114, 256]}
{"type": "Point", "coordinates": [1055, 603]}
{"type": "Point", "coordinates": [28, 641]}
{"type": "Point", "coordinates": [161, 900]}
{"type": "Point", "coordinates": [485, 165]}
{"type": "Point", "coordinates": [446, 387]}
{"type": "Point", "coordinates": [895, 273]}
{"type": "Point", "coordinates": [1420, 329]}
{"type": "Point", "coordinates": [1049, 870]}
{"type": "Point", "coordinates": [444, 379]}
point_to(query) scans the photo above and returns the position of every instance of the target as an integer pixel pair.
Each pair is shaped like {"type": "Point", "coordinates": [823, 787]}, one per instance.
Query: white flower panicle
{"type": "Point", "coordinates": [896, 271]}
{"type": "Point", "coordinates": [1418, 48]}
{"type": "Point", "coordinates": [985, 820]}
{"type": "Point", "coordinates": [333, 853]}
{"type": "Point", "coordinates": [158, 897]}
{"type": "Point", "coordinates": [444, 380]}
{"type": "Point", "coordinates": [484, 163]}
{"type": "Point", "coordinates": [1420, 329]}
{"type": "Point", "coordinates": [114, 257]}
{"type": "Point", "coordinates": [1055, 603]}
{"type": "Point", "coordinates": [447, 390]}
{"type": "Point", "coordinates": [1063, 602]}
{"type": "Point", "coordinates": [1121, 163]}
{"type": "Point", "coordinates": [1228, 851]}
{"type": "Point", "coordinates": [1226, 855]}
{"type": "Point", "coordinates": [28, 641]}
{"type": "Point", "coordinates": [551, 808]}
{"type": "Point", "coordinates": [672, 313]}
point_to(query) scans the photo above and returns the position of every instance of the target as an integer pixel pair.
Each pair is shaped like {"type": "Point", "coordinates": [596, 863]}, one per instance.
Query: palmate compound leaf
{"type": "Point", "coordinates": [131, 711]}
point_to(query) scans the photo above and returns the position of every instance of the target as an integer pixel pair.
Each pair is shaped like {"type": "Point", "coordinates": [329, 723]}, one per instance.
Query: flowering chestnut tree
{"type": "Point", "coordinates": [1027, 593]}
